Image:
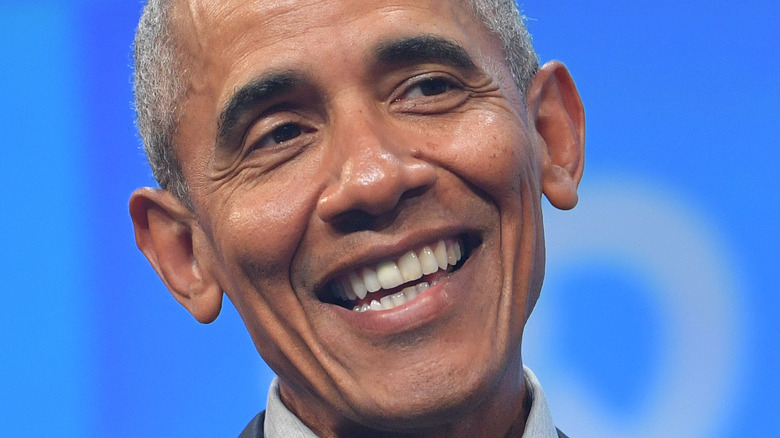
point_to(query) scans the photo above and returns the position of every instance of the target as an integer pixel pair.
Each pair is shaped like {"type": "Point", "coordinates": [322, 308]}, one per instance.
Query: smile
{"type": "Point", "coordinates": [396, 281]}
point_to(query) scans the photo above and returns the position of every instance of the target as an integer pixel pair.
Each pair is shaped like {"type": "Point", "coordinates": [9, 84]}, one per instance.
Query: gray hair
{"type": "Point", "coordinates": [503, 18]}
{"type": "Point", "coordinates": [160, 78]}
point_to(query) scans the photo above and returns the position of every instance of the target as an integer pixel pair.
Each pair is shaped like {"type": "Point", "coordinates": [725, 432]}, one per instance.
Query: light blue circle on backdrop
{"type": "Point", "coordinates": [635, 250]}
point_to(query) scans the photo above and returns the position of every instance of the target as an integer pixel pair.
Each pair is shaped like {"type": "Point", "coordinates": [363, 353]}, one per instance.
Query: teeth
{"type": "Point", "coordinates": [420, 288]}
{"type": "Point", "coordinates": [428, 261]}
{"type": "Point", "coordinates": [398, 299]}
{"type": "Point", "coordinates": [395, 300]}
{"type": "Point", "coordinates": [340, 291]}
{"type": "Point", "coordinates": [363, 308]}
{"type": "Point", "coordinates": [410, 266]}
{"type": "Point", "coordinates": [440, 251]}
{"type": "Point", "coordinates": [349, 291]}
{"type": "Point", "coordinates": [358, 287]}
{"type": "Point", "coordinates": [387, 302]}
{"type": "Point", "coordinates": [390, 274]}
{"type": "Point", "coordinates": [371, 280]}
{"type": "Point", "coordinates": [411, 292]}
{"type": "Point", "coordinates": [452, 258]}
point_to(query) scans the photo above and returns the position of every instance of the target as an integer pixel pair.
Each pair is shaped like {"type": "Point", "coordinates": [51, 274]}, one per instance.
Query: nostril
{"type": "Point", "coordinates": [354, 220]}
{"type": "Point", "coordinates": [370, 185]}
{"type": "Point", "coordinates": [415, 192]}
{"type": "Point", "coordinates": [362, 206]}
{"type": "Point", "coordinates": [359, 219]}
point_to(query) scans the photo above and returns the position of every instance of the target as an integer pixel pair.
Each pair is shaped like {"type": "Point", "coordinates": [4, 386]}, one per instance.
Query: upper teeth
{"type": "Point", "coordinates": [391, 273]}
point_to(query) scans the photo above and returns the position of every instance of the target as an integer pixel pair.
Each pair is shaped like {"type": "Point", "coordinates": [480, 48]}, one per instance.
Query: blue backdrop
{"type": "Point", "coordinates": [660, 314]}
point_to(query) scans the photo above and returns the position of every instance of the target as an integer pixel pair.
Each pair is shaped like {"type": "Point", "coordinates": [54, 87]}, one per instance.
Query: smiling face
{"type": "Point", "coordinates": [366, 190]}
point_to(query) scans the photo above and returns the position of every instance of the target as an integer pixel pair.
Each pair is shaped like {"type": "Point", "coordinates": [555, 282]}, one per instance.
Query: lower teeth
{"type": "Point", "coordinates": [392, 301]}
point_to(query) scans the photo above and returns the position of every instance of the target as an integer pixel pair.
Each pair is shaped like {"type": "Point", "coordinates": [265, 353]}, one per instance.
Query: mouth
{"type": "Point", "coordinates": [395, 281]}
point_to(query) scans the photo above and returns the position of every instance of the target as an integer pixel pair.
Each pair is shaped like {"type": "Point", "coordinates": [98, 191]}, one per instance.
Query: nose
{"type": "Point", "coordinates": [374, 168]}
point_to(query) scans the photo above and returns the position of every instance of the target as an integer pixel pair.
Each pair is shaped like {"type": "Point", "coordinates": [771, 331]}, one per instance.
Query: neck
{"type": "Point", "coordinates": [501, 414]}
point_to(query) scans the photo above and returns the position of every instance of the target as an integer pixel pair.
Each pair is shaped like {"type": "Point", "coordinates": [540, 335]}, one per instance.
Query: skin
{"type": "Point", "coordinates": [377, 162]}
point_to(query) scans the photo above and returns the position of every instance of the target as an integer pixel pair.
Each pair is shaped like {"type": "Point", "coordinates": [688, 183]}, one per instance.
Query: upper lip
{"type": "Point", "coordinates": [378, 251]}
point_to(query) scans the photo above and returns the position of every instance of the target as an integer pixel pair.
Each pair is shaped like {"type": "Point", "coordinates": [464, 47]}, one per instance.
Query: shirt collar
{"type": "Point", "coordinates": [539, 423]}
{"type": "Point", "coordinates": [281, 423]}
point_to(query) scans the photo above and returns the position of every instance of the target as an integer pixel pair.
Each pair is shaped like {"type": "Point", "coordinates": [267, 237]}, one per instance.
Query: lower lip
{"type": "Point", "coordinates": [430, 305]}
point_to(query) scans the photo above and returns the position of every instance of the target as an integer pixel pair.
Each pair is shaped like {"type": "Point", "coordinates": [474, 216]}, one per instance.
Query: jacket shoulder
{"type": "Point", "coordinates": [255, 427]}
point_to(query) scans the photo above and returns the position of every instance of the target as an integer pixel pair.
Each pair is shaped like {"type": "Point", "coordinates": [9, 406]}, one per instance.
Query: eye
{"type": "Point", "coordinates": [285, 132]}
{"type": "Point", "coordinates": [281, 134]}
{"type": "Point", "coordinates": [427, 88]}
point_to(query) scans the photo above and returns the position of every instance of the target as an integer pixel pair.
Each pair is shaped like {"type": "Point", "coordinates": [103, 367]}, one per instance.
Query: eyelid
{"type": "Point", "coordinates": [415, 81]}
{"type": "Point", "coordinates": [267, 139]}
{"type": "Point", "coordinates": [264, 126]}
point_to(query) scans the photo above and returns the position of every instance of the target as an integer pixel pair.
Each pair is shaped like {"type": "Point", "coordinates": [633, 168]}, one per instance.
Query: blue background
{"type": "Point", "coordinates": [683, 118]}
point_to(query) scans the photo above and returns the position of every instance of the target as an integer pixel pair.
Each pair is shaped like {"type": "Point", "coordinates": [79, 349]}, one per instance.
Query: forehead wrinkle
{"type": "Point", "coordinates": [186, 19]}
{"type": "Point", "coordinates": [253, 27]}
{"type": "Point", "coordinates": [217, 28]}
{"type": "Point", "coordinates": [276, 21]}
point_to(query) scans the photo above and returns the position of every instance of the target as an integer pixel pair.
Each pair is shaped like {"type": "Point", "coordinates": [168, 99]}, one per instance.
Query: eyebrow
{"type": "Point", "coordinates": [404, 51]}
{"type": "Point", "coordinates": [424, 49]}
{"type": "Point", "coordinates": [249, 97]}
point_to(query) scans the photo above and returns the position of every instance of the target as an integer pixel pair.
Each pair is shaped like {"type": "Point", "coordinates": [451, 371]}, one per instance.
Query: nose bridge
{"type": "Point", "coordinates": [358, 135]}
{"type": "Point", "coordinates": [371, 166]}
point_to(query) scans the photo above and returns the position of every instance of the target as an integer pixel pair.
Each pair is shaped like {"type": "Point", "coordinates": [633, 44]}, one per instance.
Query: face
{"type": "Point", "coordinates": [369, 195]}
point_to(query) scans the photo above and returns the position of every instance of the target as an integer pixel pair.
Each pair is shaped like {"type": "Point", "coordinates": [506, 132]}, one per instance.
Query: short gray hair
{"type": "Point", "coordinates": [159, 85]}
{"type": "Point", "coordinates": [160, 78]}
{"type": "Point", "coordinates": [503, 18]}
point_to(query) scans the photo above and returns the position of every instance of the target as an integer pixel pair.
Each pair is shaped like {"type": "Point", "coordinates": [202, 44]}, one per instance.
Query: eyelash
{"type": "Point", "coordinates": [439, 86]}
{"type": "Point", "coordinates": [450, 84]}
{"type": "Point", "coordinates": [282, 133]}
{"type": "Point", "coordinates": [448, 94]}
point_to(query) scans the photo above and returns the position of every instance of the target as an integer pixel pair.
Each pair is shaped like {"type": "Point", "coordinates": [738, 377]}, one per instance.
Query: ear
{"type": "Point", "coordinates": [164, 229]}
{"type": "Point", "coordinates": [555, 111]}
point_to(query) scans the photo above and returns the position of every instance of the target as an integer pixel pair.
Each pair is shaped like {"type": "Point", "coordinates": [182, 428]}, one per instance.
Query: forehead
{"type": "Point", "coordinates": [233, 34]}
{"type": "Point", "coordinates": [281, 19]}
{"type": "Point", "coordinates": [230, 43]}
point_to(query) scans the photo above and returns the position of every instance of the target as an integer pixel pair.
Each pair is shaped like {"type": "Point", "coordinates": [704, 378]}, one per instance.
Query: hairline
{"type": "Point", "coordinates": [159, 86]}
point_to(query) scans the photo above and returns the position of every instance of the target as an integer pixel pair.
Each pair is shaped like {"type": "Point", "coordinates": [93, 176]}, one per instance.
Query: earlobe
{"type": "Point", "coordinates": [168, 235]}
{"type": "Point", "coordinates": [555, 111]}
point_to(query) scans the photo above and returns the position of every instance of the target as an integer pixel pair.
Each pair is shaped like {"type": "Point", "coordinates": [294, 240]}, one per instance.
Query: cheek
{"type": "Point", "coordinates": [495, 155]}
{"type": "Point", "coordinates": [492, 151]}
{"type": "Point", "coordinates": [259, 231]}
{"type": "Point", "coordinates": [258, 235]}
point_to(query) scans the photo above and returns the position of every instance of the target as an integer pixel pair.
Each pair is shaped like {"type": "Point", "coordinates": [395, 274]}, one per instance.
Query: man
{"type": "Point", "coordinates": [363, 179]}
